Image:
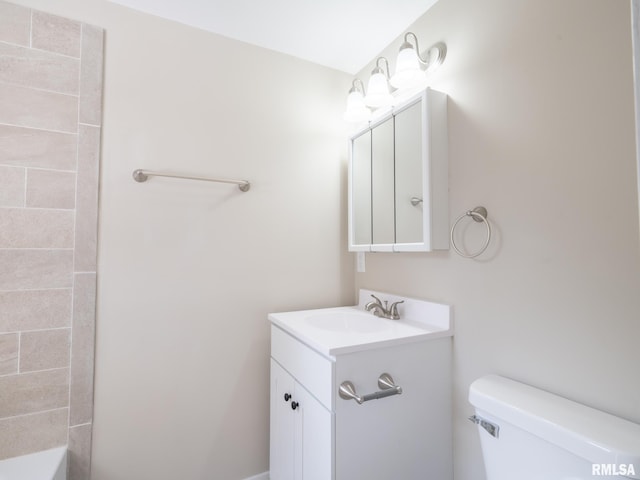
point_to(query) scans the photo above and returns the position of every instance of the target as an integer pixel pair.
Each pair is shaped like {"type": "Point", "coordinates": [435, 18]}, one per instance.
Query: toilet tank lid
{"type": "Point", "coordinates": [596, 436]}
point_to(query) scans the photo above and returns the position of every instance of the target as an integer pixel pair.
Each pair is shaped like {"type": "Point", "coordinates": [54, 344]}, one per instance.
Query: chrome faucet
{"type": "Point", "coordinates": [383, 311]}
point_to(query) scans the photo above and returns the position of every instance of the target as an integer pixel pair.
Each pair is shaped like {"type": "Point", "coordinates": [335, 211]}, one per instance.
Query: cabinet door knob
{"type": "Point", "coordinates": [287, 397]}
{"type": "Point", "coordinates": [294, 405]}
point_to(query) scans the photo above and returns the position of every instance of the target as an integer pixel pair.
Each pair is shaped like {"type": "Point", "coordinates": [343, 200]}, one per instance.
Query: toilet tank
{"type": "Point", "coordinates": [530, 434]}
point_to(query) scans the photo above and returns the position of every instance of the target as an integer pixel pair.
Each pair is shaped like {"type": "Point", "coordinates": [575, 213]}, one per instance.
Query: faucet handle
{"type": "Point", "coordinates": [377, 299]}
{"type": "Point", "coordinates": [394, 310]}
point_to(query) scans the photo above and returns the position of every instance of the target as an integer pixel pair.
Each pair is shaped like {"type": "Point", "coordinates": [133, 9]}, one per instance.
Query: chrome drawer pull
{"type": "Point", "coordinates": [347, 390]}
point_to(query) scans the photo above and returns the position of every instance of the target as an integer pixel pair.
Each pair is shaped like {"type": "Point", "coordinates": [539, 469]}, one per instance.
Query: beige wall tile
{"type": "Point", "coordinates": [26, 107]}
{"type": "Point", "coordinates": [8, 353]}
{"type": "Point", "coordinates": [36, 228]}
{"type": "Point", "coordinates": [35, 269]}
{"type": "Point", "coordinates": [91, 75]}
{"type": "Point", "coordinates": [84, 314]}
{"type": "Point", "coordinates": [35, 309]}
{"type": "Point", "coordinates": [80, 452]}
{"type": "Point", "coordinates": [40, 92]}
{"type": "Point", "coordinates": [38, 69]}
{"type": "Point", "coordinates": [45, 349]}
{"type": "Point", "coordinates": [32, 433]}
{"type": "Point", "coordinates": [55, 34]}
{"type": "Point", "coordinates": [37, 148]}
{"type": "Point", "coordinates": [51, 189]}
{"type": "Point", "coordinates": [87, 199]}
{"type": "Point", "coordinates": [15, 23]}
{"type": "Point", "coordinates": [12, 185]}
{"type": "Point", "coordinates": [33, 392]}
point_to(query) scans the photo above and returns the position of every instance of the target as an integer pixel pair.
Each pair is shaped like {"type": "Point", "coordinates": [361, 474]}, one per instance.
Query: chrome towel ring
{"type": "Point", "coordinates": [478, 214]}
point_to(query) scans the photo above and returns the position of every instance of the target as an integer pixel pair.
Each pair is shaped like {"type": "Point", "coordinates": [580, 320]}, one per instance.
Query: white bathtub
{"type": "Point", "coordinates": [45, 465]}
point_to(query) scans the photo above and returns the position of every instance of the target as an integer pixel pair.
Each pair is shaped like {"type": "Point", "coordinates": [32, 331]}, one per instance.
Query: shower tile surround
{"type": "Point", "coordinates": [50, 124]}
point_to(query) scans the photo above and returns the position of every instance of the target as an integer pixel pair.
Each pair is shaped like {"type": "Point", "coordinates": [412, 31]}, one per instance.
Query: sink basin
{"type": "Point", "coordinates": [348, 322]}
{"type": "Point", "coordinates": [341, 330]}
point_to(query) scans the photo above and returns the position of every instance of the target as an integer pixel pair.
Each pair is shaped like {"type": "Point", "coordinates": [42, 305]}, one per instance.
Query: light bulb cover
{"type": "Point", "coordinates": [407, 58]}
{"type": "Point", "coordinates": [356, 110]}
{"type": "Point", "coordinates": [408, 72]}
{"type": "Point", "coordinates": [378, 90]}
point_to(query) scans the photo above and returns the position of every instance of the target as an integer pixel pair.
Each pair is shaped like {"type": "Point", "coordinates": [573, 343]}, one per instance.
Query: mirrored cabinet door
{"type": "Point", "coordinates": [361, 191]}
{"type": "Point", "coordinates": [382, 203]}
{"type": "Point", "coordinates": [409, 174]}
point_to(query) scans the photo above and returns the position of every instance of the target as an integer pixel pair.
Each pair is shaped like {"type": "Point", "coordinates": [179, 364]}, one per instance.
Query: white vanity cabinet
{"type": "Point", "coordinates": [326, 437]}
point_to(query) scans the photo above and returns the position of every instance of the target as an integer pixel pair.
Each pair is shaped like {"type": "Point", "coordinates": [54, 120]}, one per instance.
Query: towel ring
{"type": "Point", "coordinates": [478, 214]}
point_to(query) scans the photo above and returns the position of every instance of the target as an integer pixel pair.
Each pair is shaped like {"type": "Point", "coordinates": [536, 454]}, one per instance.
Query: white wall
{"type": "Point", "coordinates": [541, 132]}
{"type": "Point", "coordinates": [187, 271]}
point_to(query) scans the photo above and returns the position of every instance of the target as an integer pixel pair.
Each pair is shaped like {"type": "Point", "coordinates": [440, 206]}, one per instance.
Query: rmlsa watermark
{"type": "Point", "coordinates": [612, 469]}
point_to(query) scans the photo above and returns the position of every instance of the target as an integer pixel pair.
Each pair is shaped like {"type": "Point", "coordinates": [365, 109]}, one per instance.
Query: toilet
{"type": "Point", "coordinates": [530, 434]}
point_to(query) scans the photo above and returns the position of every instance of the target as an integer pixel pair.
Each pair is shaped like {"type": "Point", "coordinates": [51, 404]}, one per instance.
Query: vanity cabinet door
{"type": "Point", "coordinates": [282, 434]}
{"type": "Point", "coordinates": [314, 433]}
{"type": "Point", "coordinates": [301, 437]}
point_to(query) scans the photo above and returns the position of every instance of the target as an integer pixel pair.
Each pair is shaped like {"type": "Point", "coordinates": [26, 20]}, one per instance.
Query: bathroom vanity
{"type": "Point", "coordinates": [392, 417]}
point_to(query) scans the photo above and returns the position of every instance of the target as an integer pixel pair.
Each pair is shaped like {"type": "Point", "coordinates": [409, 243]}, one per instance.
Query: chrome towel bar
{"type": "Point", "coordinates": [385, 382]}
{"type": "Point", "coordinates": [142, 176]}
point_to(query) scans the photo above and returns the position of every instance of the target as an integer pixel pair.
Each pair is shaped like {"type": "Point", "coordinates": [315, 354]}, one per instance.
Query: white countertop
{"type": "Point", "coordinates": [340, 330]}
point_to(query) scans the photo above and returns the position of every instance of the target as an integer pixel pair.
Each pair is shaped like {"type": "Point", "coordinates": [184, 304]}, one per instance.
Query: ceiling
{"type": "Point", "coordinates": [341, 34]}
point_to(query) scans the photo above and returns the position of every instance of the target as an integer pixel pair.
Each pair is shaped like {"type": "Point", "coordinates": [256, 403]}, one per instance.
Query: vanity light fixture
{"type": "Point", "coordinates": [409, 72]}
{"type": "Point", "coordinates": [357, 110]}
{"type": "Point", "coordinates": [378, 89]}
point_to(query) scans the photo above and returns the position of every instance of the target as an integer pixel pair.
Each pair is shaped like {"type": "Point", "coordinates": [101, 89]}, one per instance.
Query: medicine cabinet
{"type": "Point", "coordinates": [398, 179]}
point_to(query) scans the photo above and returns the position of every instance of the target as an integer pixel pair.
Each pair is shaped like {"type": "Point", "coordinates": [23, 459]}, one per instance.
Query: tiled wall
{"type": "Point", "coordinates": [50, 117]}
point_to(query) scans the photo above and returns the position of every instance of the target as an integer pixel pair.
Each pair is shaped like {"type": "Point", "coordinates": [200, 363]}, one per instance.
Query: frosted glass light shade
{"type": "Point", "coordinates": [356, 110]}
{"type": "Point", "coordinates": [408, 72]}
{"type": "Point", "coordinates": [378, 91]}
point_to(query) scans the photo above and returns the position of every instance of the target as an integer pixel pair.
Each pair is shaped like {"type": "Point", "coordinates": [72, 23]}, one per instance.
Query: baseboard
{"type": "Point", "coordinates": [262, 476]}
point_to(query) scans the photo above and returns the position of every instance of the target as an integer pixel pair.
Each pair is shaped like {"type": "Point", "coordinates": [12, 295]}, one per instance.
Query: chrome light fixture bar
{"type": "Point", "coordinates": [412, 69]}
